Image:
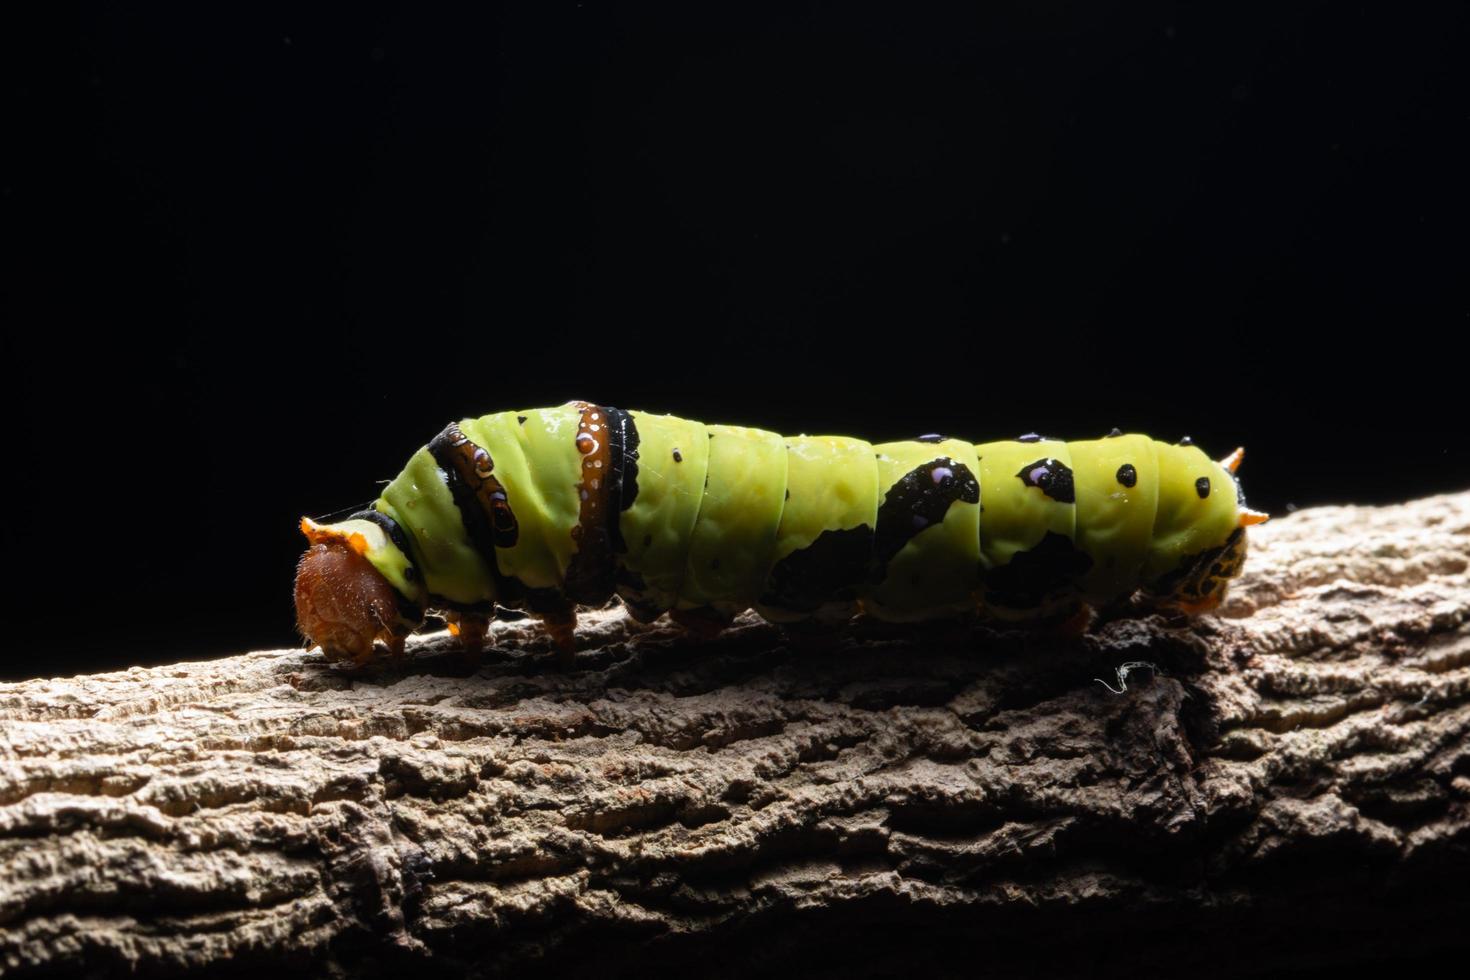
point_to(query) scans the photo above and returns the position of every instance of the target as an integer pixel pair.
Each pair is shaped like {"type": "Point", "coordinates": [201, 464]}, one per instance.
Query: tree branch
{"type": "Point", "coordinates": [1287, 785]}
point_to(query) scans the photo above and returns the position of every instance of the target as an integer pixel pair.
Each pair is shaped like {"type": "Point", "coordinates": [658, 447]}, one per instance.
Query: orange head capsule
{"type": "Point", "coordinates": [343, 603]}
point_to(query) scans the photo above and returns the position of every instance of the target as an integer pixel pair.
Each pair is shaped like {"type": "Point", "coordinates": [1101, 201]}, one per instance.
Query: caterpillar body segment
{"type": "Point", "coordinates": [730, 548]}
{"type": "Point", "coordinates": [656, 526]}
{"type": "Point", "coordinates": [926, 548]}
{"type": "Point", "coordinates": [825, 538]}
{"type": "Point", "coordinates": [550, 509]}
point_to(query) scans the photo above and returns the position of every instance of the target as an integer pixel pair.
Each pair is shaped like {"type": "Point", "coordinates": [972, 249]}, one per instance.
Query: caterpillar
{"type": "Point", "coordinates": [545, 510]}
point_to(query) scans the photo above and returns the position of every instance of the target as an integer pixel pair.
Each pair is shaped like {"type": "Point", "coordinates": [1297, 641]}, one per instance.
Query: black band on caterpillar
{"type": "Point", "coordinates": [468, 472]}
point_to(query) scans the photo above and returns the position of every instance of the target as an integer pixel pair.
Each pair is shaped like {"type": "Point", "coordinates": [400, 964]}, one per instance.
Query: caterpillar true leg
{"type": "Point", "coordinates": [703, 623]}
{"type": "Point", "coordinates": [562, 628]}
{"type": "Point", "coordinates": [469, 629]}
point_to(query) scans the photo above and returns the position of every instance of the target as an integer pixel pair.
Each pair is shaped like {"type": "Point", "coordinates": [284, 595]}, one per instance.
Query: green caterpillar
{"type": "Point", "coordinates": [550, 509]}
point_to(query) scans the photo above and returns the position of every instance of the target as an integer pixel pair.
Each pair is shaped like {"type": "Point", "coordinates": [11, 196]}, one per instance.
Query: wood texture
{"type": "Point", "coordinates": [1287, 786]}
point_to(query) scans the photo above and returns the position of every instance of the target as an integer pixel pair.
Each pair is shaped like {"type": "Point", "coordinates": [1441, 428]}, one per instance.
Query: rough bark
{"type": "Point", "coordinates": [1287, 786]}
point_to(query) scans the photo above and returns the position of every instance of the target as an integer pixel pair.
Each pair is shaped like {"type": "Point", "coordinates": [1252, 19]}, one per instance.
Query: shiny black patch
{"type": "Point", "coordinates": [1127, 475]}
{"type": "Point", "coordinates": [1029, 437]}
{"type": "Point", "coordinates": [1114, 433]}
{"type": "Point", "coordinates": [623, 456]}
{"type": "Point", "coordinates": [1025, 582]}
{"type": "Point", "coordinates": [1052, 477]}
{"type": "Point", "coordinates": [1186, 441]}
{"type": "Point", "coordinates": [931, 437]}
{"type": "Point", "coordinates": [830, 569]}
{"type": "Point", "coordinates": [919, 499]}
{"type": "Point", "coordinates": [1202, 487]}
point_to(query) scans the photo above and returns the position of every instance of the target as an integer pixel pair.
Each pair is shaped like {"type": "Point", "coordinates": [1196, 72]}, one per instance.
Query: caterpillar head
{"type": "Point", "coordinates": [344, 602]}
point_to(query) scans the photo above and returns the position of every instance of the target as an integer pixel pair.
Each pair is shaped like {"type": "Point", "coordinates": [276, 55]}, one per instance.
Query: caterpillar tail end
{"type": "Point", "coordinates": [343, 603]}
{"type": "Point", "coordinates": [1248, 517]}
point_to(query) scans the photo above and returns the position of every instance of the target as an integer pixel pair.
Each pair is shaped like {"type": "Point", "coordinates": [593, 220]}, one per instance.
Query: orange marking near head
{"type": "Point", "coordinates": [1249, 517]}
{"type": "Point", "coordinates": [318, 534]}
{"type": "Point", "coordinates": [1232, 462]}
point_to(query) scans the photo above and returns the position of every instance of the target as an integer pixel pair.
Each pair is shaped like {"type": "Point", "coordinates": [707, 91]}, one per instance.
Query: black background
{"type": "Point", "coordinates": [259, 254]}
